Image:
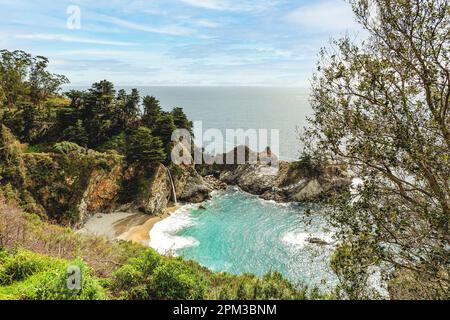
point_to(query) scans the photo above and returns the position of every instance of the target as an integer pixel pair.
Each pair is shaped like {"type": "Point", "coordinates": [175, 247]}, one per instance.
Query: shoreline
{"type": "Point", "coordinates": [135, 227]}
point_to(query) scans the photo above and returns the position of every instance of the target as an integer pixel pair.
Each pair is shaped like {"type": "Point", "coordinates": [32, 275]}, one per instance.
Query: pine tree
{"type": "Point", "coordinates": [143, 147]}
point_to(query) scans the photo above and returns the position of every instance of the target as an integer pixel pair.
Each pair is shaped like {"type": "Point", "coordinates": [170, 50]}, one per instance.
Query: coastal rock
{"type": "Point", "coordinates": [101, 191]}
{"type": "Point", "coordinates": [317, 241]}
{"type": "Point", "coordinates": [252, 178]}
{"type": "Point", "coordinates": [285, 183]}
{"type": "Point", "coordinates": [156, 197]}
{"type": "Point", "coordinates": [214, 183]}
{"type": "Point", "coordinates": [312, 190]}
{"type": "Point", "coordinates": [190, 186]}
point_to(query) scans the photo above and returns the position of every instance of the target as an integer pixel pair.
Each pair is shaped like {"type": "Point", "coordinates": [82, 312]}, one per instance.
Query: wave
{"type": "Point", "coordinates": [163, 236]}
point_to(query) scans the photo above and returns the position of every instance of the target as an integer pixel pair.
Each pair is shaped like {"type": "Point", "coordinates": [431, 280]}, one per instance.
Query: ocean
{"type": "Point", "coordinates": [285, 109]}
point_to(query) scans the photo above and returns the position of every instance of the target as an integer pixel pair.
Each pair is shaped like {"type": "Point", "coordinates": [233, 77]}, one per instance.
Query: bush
{"type": "Point", "coordinates": [308, 166]}
{"type": "Point", "coordinates": [67, 147]}
{"type": "Point", "coordinates": [173, 280]}
{"type": "Point", "coordinates": [30, 276]}
{"type": "Point", "coordinates": [53, 285]}
{"type": "Point", "coordinates": [151, 276]}
{"type": "Point", "coordinates": [20, 266]}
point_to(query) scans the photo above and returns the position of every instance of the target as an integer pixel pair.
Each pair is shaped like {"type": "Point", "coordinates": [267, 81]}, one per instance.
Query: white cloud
{"type": "Point", "coordinates": [206, 23]}
{"type": "Point", "coordinates": [173, 30]}
{"type": "Point", "coordinates": [208, 4]}
{"type": "Point", "coordinates": [229, 5]}
{"type": "Point", "coordinates": [329, 15]}
{"type": "Point", "coordinates": [64, 38]}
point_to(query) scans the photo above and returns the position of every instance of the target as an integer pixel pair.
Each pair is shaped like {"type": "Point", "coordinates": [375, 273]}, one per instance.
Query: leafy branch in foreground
{"type": "Point", "coordinates": [383, 108]}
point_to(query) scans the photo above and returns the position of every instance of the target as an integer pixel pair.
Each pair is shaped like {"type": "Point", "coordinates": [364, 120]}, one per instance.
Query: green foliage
{"type": "Point", "coordinates": [117, 143]}
{"type": "Point", "coordinates": [152, 111]}
{"type": "Point", "coordinates": [77, 133]}
{"type": "Point", "coordinates": [151, 276]}
{"type": "Point", "coordinates": [143, 147]}
{"type": "Point", "coordinates": [20, 266]}
{"type": "Point", "coordinates": [164, 127]}
{"type": "Point", "coordinates": [173, 280]}
{"type": "Point", "coordinates": [24, 77]}
{"type": "Point", "coordinates": [181, 121]}
{"type": "Point", "coordinates": [29, 276]}
{"type": "Point", "coordinates": [66, 148]}
{"type": "Point", "coordinates": [382, 107]}
{"type": "Point", "coordinates": [308, 166]}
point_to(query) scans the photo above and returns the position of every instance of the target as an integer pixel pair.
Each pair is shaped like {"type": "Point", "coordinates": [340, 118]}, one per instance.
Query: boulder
{"type": "Point", "coordinates": [317, 241]}
{"type": "Point", "coordinates": [190, 186]}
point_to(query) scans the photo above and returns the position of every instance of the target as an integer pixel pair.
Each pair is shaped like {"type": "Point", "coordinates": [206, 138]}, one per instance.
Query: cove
{"type": "Point", "coordinates": [238, 233]}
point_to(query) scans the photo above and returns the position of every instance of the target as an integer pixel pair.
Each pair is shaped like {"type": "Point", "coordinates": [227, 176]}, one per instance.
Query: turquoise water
{"type": "Point", "coordinates": [239, 233]}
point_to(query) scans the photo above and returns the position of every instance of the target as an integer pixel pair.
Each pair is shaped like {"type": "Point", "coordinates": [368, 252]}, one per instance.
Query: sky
{"type": "Point", "coordinates": [177, 42]}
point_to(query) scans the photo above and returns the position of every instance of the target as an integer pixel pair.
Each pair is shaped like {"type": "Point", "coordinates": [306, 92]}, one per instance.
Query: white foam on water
{"type": "Point", "coordinates": [299, 240]}
{"type": "Point", "coordinates": [163, 235]}
{"type": "Point", "coordinates": [296, 239]}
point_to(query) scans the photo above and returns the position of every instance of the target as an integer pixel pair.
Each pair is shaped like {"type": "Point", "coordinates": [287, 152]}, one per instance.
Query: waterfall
{"type": "Point", "coordinates": [173, 187]}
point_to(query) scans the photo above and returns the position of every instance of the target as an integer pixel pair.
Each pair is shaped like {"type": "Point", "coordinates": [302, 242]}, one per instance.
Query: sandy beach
{"type": "Point", "coordinates": [127, 226]}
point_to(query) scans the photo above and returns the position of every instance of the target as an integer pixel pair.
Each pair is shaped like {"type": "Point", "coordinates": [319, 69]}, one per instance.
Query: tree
{"type": "Point", "coordinates": [77, 133]}
{"type": "Point", "coordinates": [43, 84]}
{"type": "Point", "coordinates": [152, 111]}
{"type": "Point", "coordinates": [130, 109]}
{"type": "Point", "coordinates": [180, 120]}
{"type": "Point", "coordinates": [143, 147]}
{"type": "Point", "coordinates": [24, 77]}
{"type": "Point", "coordinates": [14, 67]}
{"type": "Point", "coordinates": [99, 113]}
{"type": "Point", "coordinates": [164, 127]}
{"type": "Point", "coordinates": [383, 108]}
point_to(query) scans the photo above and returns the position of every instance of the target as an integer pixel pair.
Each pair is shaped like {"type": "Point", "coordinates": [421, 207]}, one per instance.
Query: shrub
{"type": "Point", "coordinates": [52, 284]}
{"type": "Point", "coordinates": [151, 276]}
{"type": "Point", "coordinates": [67, 147]}
{"type": "Point", "coordinates": [19, 266]}
{"type": "Point", "coordinates": [133, 280]}
{"type": "Point", "coordinates": [173, 280]}
{"type": "Point", "coordinates": [308, 166]}
{"type": "Point", "coordinates": [31, 276]}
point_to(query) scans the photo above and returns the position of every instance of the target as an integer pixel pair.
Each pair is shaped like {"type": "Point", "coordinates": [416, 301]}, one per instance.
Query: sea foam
{"type": "Point", "coordinates": [299, 240]}
{"type": "Point", "coordinates": [163, 235]}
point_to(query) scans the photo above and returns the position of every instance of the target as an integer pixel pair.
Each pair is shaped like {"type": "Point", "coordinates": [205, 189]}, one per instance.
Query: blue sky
{"type": "Point", "coordinates": [178, 42]}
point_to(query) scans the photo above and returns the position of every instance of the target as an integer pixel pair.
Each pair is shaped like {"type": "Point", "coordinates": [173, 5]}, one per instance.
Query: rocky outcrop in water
{"type": "Point", "coordinates": [287, 183]}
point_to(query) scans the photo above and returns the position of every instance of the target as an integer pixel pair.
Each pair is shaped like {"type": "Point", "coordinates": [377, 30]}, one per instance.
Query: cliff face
{"type": "Point", "coordinates": [102, 191]}
{"type": "Point", "coordinates": [72, 186]}
{"type": "Point", "coordinates": [155, 192]}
